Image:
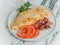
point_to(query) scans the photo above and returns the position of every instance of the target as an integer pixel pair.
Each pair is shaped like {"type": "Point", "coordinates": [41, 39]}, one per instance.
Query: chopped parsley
{"type": "Point", "coordinates": [24, 7]}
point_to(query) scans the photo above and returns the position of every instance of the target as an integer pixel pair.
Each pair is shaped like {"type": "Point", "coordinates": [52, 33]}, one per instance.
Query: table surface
{"type": "Point", "coordinates": [7, 6]}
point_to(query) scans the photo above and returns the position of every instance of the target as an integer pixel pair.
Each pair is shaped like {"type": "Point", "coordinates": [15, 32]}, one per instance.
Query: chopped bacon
{"type": "Point", "coordinates": [43, 24]}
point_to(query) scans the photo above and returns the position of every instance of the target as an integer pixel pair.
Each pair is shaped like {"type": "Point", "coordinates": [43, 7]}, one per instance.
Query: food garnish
{"type": "Point", "coordinates": [24, 7]}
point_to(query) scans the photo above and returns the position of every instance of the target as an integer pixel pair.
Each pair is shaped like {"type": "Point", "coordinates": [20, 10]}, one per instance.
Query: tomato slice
{"type": "Point", "coordinates": [36, 34]}
{"type": "Point", "coordinates": [32, 31]}
{"type": "Point", "coordinates": [23, 32]}
{"type": "Point", "coordinates": [28, 31]}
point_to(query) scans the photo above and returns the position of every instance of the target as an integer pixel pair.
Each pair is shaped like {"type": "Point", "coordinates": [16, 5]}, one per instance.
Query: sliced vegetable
{"type": "Point", "coordinates": [28, 32]}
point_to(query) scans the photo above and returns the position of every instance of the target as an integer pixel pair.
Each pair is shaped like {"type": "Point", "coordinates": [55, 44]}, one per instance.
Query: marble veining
{"type": "Point", "coordinates": [43, 2]}
{"type": "Point", "coordinates": [52, 3]}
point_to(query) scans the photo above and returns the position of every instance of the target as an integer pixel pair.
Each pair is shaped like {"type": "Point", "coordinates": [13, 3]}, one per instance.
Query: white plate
{"type": "Point", "coordinates": [43, 34]}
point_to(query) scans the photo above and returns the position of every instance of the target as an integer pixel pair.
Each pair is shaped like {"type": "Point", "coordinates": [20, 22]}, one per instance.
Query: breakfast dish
{"type": "Point", "coordinates": [31, 23]}
{"type": "Point", "coordinates": [26, 20]}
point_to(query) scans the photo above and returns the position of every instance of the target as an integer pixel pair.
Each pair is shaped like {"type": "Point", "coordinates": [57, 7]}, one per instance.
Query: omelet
{"type": "Point", "coordinates": [29, 17]}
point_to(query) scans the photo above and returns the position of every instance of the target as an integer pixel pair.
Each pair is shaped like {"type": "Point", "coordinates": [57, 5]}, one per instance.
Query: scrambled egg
{"type": "Point", "coordinates": [29, 17]}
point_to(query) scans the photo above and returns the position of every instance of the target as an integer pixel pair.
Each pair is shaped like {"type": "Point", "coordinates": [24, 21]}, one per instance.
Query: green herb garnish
{"type": "Point", "coordinates": [25, 6]}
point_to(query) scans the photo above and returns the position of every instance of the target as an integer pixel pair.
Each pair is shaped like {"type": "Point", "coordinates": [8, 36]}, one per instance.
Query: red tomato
{"type": "Point", "coordinates": [28, 31]}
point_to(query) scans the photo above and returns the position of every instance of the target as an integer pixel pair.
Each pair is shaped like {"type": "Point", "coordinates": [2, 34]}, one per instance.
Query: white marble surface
{"type": "Point", "coordinates": [6, 6]}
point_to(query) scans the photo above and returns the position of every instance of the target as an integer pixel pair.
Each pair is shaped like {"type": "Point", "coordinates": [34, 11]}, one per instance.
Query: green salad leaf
{"type": "Point", "coordinates": [24, 7]}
